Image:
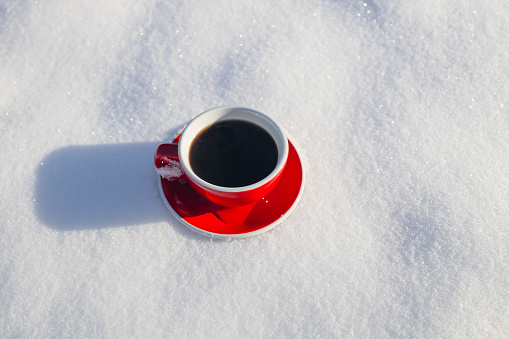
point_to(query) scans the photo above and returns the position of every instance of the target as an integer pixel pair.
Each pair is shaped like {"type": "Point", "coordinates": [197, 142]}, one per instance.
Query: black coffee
{"type": "Point", "coordinates": [233, 153]}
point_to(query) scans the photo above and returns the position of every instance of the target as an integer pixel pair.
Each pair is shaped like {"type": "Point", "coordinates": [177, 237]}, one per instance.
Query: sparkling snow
{"type": "Point", "coordinates": [400, 110]}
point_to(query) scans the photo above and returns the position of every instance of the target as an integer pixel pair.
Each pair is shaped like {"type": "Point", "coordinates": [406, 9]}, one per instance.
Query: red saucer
{"type": "Point", "coordinates": [217, 221]}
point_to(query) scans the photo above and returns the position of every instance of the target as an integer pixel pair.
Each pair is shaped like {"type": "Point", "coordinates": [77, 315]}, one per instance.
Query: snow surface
{"type": "Point", "coordinates": [400, 110]}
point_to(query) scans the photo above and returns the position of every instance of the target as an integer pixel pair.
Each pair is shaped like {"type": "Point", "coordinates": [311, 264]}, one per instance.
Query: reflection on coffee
{"type": "Point", "coordinates": [233, 153]}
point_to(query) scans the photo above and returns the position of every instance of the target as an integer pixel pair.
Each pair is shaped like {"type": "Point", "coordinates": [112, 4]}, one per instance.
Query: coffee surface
{"type": "Point", "coordinates": [233, 153]}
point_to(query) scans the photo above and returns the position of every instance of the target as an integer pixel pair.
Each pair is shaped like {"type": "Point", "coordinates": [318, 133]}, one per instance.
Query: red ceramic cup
{"type": "Point", "coordinates": [225, 196]}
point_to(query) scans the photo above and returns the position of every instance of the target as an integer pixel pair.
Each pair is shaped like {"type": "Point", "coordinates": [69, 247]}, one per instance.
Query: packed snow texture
{"type": "Point", "coordinates": [399, 109]}
{"type": "Point", "coordinates": [170, 172]}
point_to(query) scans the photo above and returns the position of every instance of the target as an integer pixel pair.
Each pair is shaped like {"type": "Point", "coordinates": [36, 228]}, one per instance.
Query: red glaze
{"type": "Point", "coordinates": [166, 151]}
{"type": "Point", "coordinates": [230, 199]}
{"type": "Point", "coordinates": [213, 219]}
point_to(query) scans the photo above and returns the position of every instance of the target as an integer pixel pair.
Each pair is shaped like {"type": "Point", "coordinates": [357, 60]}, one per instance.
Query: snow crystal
{"type": "Point", "coordinates": [400, 110]}
{"type": "Point", "coordinates": [171, 172]}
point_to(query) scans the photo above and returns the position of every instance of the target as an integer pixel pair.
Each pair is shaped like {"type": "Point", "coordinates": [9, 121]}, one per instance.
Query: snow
{"type": "Point", "coordinates": [399, 109]}
{"type": "Point", "coordinates": [171, 172]}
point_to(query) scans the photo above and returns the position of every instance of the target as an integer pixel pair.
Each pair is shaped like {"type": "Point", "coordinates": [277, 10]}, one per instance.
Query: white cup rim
{"type": "Point", "coordinates": [213, 115]}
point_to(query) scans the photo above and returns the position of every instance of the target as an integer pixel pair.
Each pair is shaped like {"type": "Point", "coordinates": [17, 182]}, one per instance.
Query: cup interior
{"type": "Point", "coordinates": [219, 114]}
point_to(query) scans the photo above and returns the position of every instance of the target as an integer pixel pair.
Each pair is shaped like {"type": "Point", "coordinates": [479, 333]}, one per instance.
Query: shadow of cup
{"type": "Point", "coordinates": [98, 186]}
